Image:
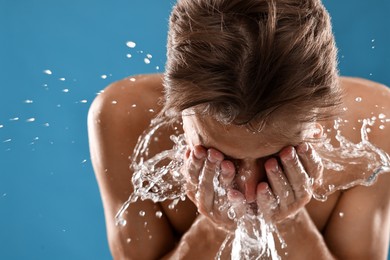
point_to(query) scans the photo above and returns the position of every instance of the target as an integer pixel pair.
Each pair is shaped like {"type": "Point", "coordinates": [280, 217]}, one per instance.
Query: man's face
{"type": "Point", "coordinates": [246, 149]}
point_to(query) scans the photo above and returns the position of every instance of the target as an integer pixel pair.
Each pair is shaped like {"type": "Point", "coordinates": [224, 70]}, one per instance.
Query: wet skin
{"type": "Point", "coordinates": [316, 232]}
{"type": "Point", "coordinates": [276, 186]}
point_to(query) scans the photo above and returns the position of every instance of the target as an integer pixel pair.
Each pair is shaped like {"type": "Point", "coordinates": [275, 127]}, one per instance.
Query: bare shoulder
{"type": "Point", "coordinates": [139, 94]}
{"type": "Point", "coordinates": [359, 89]}
{"type": "Point", "coordinates": [365, 99]}
{"type": "Point", "coordinates": [116, 119]}
{"type": "Point", "coordinates": [363, 212]}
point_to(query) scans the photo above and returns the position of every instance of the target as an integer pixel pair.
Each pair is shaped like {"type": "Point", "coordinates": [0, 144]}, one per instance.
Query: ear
{"type": "Point", "coordinates": [318, 131]}
{"type": "Point", "coordinates": [313, 131]}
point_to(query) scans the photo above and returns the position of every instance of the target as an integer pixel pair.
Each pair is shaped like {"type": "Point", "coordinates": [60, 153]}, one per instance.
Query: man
{"type": "Point", "coordinates": [255, 85]}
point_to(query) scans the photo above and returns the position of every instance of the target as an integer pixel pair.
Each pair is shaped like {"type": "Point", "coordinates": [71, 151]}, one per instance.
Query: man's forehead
{"type": "Point", "coordinates": [238, 141]}
{"type": "Point", "coordinates": [241, 149]}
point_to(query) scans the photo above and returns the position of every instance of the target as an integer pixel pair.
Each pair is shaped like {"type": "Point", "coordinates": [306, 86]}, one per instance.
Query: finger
{"type": "Point", "coordinates": [266, 201]}
{"type": "Point", "coordinates": [227, 173]}
{"type": "Point", "coordinates": [206, 191]}
{"type": "Point", "coordinates": [311, 161]}
{"type": "Point", "coordinates": [295, 173]}
{"type": "Point", "coordinates": [279, 183]}
{"type": "Point", "coordinates": [237, 202]}
{"type": "Point", "coordinates": [195, 163]}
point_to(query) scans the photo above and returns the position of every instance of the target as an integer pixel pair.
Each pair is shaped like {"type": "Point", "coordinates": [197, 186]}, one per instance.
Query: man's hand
{"type": "Point", "coordinates": [290, 184]}
{"type": "Point", "coordinates": [210, 186]}
{"type": "Point", "coordinates": [288, 189]}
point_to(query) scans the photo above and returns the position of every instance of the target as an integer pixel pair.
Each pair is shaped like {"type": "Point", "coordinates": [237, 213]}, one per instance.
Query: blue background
{"type": "Point", "coordinates": [50, 206]}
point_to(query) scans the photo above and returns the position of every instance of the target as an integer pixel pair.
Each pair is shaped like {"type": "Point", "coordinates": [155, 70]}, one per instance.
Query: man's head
{"type": "Point", "coordinates": [243, 61]}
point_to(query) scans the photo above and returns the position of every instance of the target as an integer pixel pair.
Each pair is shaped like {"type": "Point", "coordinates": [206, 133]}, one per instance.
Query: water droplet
{"type": "Point", "coordinates": [151, 110]}
{"type": "Point", "coordinates": [133, 105]}
{"type": "Point", "coordinates": [28, 101]}
{"type": "Point", "coordinates": [381, 116]}
{"type": "Point", "coordinates": [48, 72]}
{"type": "Point", "coordinates": [4, 194]}
{"type": "Point", "coordinates": [65, 90]}
{"type": "Point", "coordinates": [114, 102]}
{"type": "Point", "coordinates": [131, 44]}
{"type": "Point", "coordinates": [358, 99]}
{"type": "Point", "coordinates": [121, 222]}
{"type": "Point", "coordinates": [368, 130]}
{"type": "Point", "coordinates": [14, 119]}
{"type": "Point", "coordinates": [62, 79]}
{"type": "Point", "coordinates": [149, 56]}
{"type": "Point", "coordinates": [46, 124]}
{"type": "Point", "coordinates": [30, 120]}
{"type": "Point", "coordinates": [103, 76]}
{"type": "Point", "coordinates": [132, 79]}
{"type": "Point", "coordinates": [243, 178]}
{"type": "Point", "coordinates": [147, 61]}
{"type": "Point", "coordinates": [373, 47]}
{"type": "Point", "coordinates": [142, 213]}
{"type": "Point", "coordinates": [159, 214]}
{"type": "Point", "coordinates": [84, 161]}
{"type": "Point", "coordinates": [150, 237]}
{"type": "Point", "coordinates": [381, 127]}
{"type": "Point", "coordinates": [7, 141]}
{"type": "Point", "coordinates": [128, 55]}
{"type": "Point", "coordinates": [373, 40]}
{"type": "Point", "coordinates": [1, 126]}
{"type": "Point", "coordinates": [341, 214]}
{"type": "Point", "coordinates": [128, 240]}
{"type": "Point", "coordinates": [231, 213]}
{"type": "Point", "coordinates": [157, 67]}
{"type": "Point", "coordinates": [84, 101]}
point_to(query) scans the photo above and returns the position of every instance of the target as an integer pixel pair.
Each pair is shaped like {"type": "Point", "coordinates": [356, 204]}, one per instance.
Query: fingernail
{"type": "Point", "coordinates": [198, 154]}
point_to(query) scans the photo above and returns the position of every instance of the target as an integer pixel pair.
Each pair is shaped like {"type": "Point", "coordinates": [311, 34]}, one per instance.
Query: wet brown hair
{"type": "Point", "coordinates": [241, 61]}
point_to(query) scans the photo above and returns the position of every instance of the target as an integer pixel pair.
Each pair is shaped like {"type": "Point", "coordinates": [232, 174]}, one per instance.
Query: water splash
{"type": "Point", "coordinates": [152, 179]}
{"type": "Point", "coordinates": [350, 164]}
{"type": "Point", "coordinates": [158, 178]}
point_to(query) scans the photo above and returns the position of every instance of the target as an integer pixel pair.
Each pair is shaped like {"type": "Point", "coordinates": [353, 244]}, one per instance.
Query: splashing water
{"type": "Point", "coordinates": [158, 178]}
{"type": "Point", "coordinates": [152, 179]}
{"type": "Point", "coordinates": [350, 164]}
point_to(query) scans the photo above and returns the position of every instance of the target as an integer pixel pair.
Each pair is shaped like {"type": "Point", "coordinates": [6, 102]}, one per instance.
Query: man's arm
{"type": "Point", "coordinates": [360, 224]}
{"type": "Point", "coordinates": [114, 128]}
